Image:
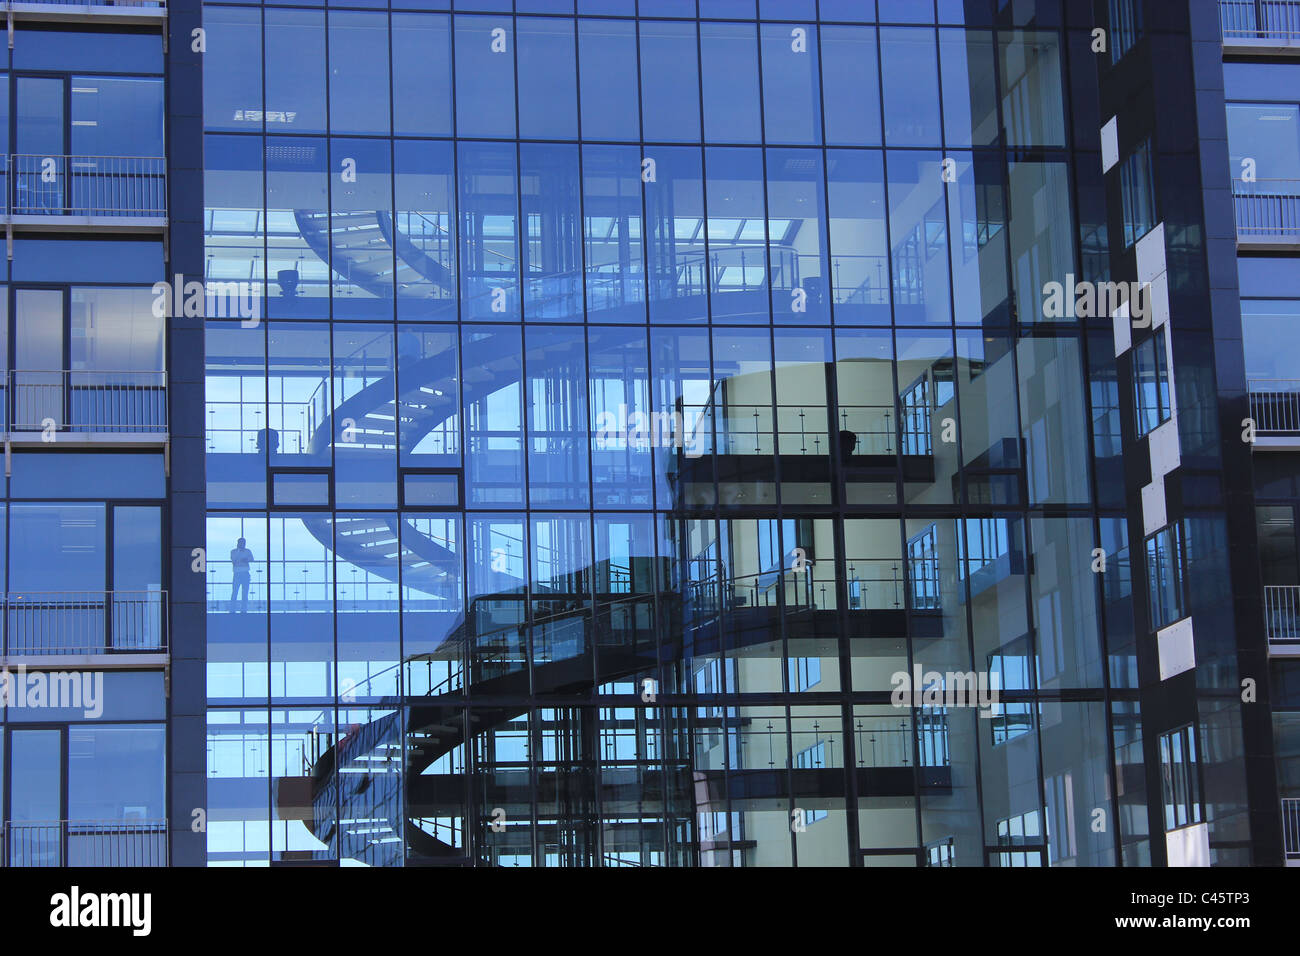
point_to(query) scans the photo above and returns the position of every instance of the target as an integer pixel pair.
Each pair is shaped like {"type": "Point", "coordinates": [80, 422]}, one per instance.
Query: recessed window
{"type": "Point", "coordinates": [1151, 383]}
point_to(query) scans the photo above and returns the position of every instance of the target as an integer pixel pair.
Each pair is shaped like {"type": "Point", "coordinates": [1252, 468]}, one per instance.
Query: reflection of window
{"type": "Point", "coordinates": [923, 566]}
{"type": "Point", "coordinates": [1125, 27]}
{"type": "Point", "coordinates": [1135, 183]}
{"type": "Point", "coordinates": [1151, 382]}
{"type": "Point", "coordinates": [812, 758]}
{"type": "Point", "coordinates": [805, 672]}
{"type": "Point", "coordinates": [1166, 576]}
{"type": "Point", "coordinates": [986, 540]}
{"type": "Point", "coordinates": [1182, 788]}
{"type": "Point", "coordinates": [1022, 838]}
{"type": "Point", "coordinates": [939, 853]}
{"type": "Point", "coordinates": [1009, 671]}
{"type": "Point", "coordinates": [1268, 134]}
{"type": "Point", "coordinates": [915, 404]}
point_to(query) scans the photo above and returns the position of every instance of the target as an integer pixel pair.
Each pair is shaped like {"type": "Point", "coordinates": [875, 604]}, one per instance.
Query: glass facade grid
{"type": "Point", "coordinates": [723, 385]}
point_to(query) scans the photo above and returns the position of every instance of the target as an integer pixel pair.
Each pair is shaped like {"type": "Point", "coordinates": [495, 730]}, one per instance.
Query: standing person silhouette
{"type": "Point", "coordinates": [241, 559]}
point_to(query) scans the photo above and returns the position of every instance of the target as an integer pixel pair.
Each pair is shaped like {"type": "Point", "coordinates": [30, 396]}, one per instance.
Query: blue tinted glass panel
{"type": "Point", "coordinates": [364, 418]}
{"type": "Point", "coordinates": [729, 58]}
{"type": "Point", "coordinates": [234, 35]}
{"type": "Point", "coordinates": [970, 109]}
{"type": "Point", "coordinates": [850, 79]}
{"type": "Point", "coordinates": [918, 234]}
{"type": "Point", "coordinates": [852, 11]}
{"type": "Point", "coordinates": [557, 417]}
{"type": "Point", "coordinates": [424, 229]}
{"type": "Point", "coordinates": [906, 11]}
{"type": "Point", "coordinates": [548, 99]}
{"type": "Point", "coordinates": [727, 9]}
{"type": "Point", "coordinates": [88, 260]}
{"type": "Point", "coordinates": [677, 261]}
{"type": "Point", "coordinates": [737, 237]}
{"type": "Point", "coordinates": [361, 255]}
{"type": "Point", "coordinates": [609, 83]}
{"type": "Point", "coordinates": [295, 70]}
{"type": "Point", "coordinates": [300, 491]}
{"type": "Point", "coordinates": [82, 475]}
{"type": "Point", "coordinates": [619, 391]}
{"type": "Point", "coordinates": [612, 231]}
{"type": "Point", "coordinates": [796, 229]}
{"type": "Point", "coordinates": [493, 403]}
{"type": "Point", "coordinates": [791, 100]}
{"type": "Point", "coordinates": [670, 79]}
{"type": "Point", "coordinates": [66, 50]}
{"type": "Point", "coordinates": [116, 773]}
{"type": "Point", "coordinates": [489, 233]}
{"type": "Point", "coordinates": [297, 225]}
{"type": "Point", "coordinates": [359, 72]}
{"type": "Point", "coordinates": [421, 75]}
{"type": "Point", "coordinates": [485, 76]}
{"type": "Point", "coordinates": [911, 86]}
{"type": "Point", "coordinates": [552, 203]}
{"type": "Point", "coordinates": [57, 547]}
{"type": "Point", "coordinates": [431, 491]}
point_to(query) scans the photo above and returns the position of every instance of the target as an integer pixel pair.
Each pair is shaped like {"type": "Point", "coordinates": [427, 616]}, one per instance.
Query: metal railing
{"type": "Point", "coordinates": [1259, 19]}
{"type": "Point", "coordinates": [74, 185]}
{"type": "Point", "coordinates": [1291, 827]}
{"type": "Point", "coordinates": [85, 843]}
{"type": "Point", "coordinates": [1267, 207]}
{"type": "Point", "coordinates": [85, 622]}
{"type": "Point", "coordinates": [86, 400]}
{"type": "Point", "coordinates": [147, 4]}
{"type": "Point", "coordinates": [1282, 614]}
{"type": "Point", "coordinates": [1275, 404]}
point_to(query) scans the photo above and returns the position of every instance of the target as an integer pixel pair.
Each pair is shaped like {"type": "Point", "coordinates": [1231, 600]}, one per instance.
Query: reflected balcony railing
{"type": "Point", "coordinates": [893, 741]}
{"type": "Point", "coordinates": [85, 400]}
{"type": "Point", "coordinates": [80, 185]}
{"type": "Point", "coordinates": [1268, 209]}
{"type": "Point", "coordinates": [1275, 405]}
{"type": "Point", "coordinates": [1291, 827]}
{"type": "Point", "coordinates": [85, 622]}
{"type": "Point", "coordinates": [1282, 615]}
{"type": "Point", "coordinates": [1259, 20]}
{"type": "Point", "coordinates": [125, 843]}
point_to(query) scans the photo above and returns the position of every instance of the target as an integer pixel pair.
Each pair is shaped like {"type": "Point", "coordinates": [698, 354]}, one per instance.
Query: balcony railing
{"type": "Point", "coordinates": [1275, 404]}
{"type": "Point", "coordinates": [84, 400]}
{"type": "Point", "coordinates": [75, 185]}
{"type": "Point", "coordinates": [1259, 20]}
{"type": "Point", "coordinates": [1282, 615]}
{"type": "Point", "coordinates": [85, 622]}
{"type": "Point", "coordinates": [1291, 827]}
{"type": "Point", "coordinates": [136, 4]}
{"type": "Point", "coordinates": [1268, 209]}
{"type": "Point", "coordinates": [85, 843]}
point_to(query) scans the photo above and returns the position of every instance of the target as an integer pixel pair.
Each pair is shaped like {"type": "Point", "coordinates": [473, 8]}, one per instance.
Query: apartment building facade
{"type": "Point", "coordinates": [608, 434]}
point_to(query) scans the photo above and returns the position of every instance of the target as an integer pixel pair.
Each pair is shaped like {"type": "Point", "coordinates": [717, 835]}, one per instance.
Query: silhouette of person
{"type": "Point", "coordinates": [268, 439]}
{"type": "Point", "coordinates": [241, 559]}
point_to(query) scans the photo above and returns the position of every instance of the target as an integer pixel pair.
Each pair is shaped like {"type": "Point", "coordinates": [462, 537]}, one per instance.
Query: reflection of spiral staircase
{"type": "Point", "coordinates": [377, 786]}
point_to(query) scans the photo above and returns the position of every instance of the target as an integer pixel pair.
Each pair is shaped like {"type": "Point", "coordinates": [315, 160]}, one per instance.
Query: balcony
{"type": "Point", "coordinates": [1275, 407]}
{"type": "Point", "coordinates": [56, 628]}
{"type": "Point", "coordinates": [1282, 619]}
{"type": "Point", "coordinates": [1291, 830]}
{"type": "Point", "coordinates": [85, 843]}
{"type": "Point", "coordinates": [89, 11]}
{"type": "Point", "coordinates": [1260, 27]}
{"type": "Point", "coordinates": [1268, 213]}
{"type": "Point", "coordinates": [75, 192]}
{"type": "Point", "coordinates": [85, 406]}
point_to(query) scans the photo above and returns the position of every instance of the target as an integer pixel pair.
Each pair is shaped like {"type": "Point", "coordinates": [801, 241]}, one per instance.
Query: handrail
{"type": "Point", "coordinates": [81, 400]}
{"type": "Point", "coordinates": [85, 185]}
{"type": "Point", "coordinates": [1275, 404]}
{"type": "Point", "coordinates": [85, 622]}
{"type": "Point", "coordinates": [1267, 207]}
{"type": "Point", "coordinates": [1259, 19]}
{"type": "Point", "coordinates": [1282, 613]}
{"type": "Point", "coordinates": [124, 842]}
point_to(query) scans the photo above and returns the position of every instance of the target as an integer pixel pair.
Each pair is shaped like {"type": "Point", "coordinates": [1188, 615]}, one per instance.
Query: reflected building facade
{"type": "Point", "coordinates": [638, 396]}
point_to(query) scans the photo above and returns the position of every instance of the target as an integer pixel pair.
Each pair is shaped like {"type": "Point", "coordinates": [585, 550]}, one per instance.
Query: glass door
{"type": "Point", "coordinates": [38, 359]}
{"type": "Point", "coordinates": [40, 164]}
{"type": "Point", "coordinates": [35, 833]}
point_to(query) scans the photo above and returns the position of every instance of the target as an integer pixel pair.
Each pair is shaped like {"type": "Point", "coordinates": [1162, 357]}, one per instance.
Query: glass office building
{"type": "Point", "coordinates": [635, 433]}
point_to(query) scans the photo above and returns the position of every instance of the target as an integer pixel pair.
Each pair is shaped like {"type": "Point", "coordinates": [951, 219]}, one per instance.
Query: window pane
{"type": "Point", "coordinates": [421, 74]}
{"type": "Point", "coordinates": [791, 98]}
{"type": "Point", "coordinates": [851, 83]}
{"type": "Point", "coordinates": [911, 86]}
{"type": "Point", "coordinates": [609, 83]}
{"type": "Point", "coordinates": [729, 55]}
{"type": "Point", "coordinates": [670, 81]}
{"type": "Point", "coordinates": [548, 106]}
{"type": "Point", "coordinates": [358, 72]}
{"type": "Point", "coordinates": [485, 76]}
